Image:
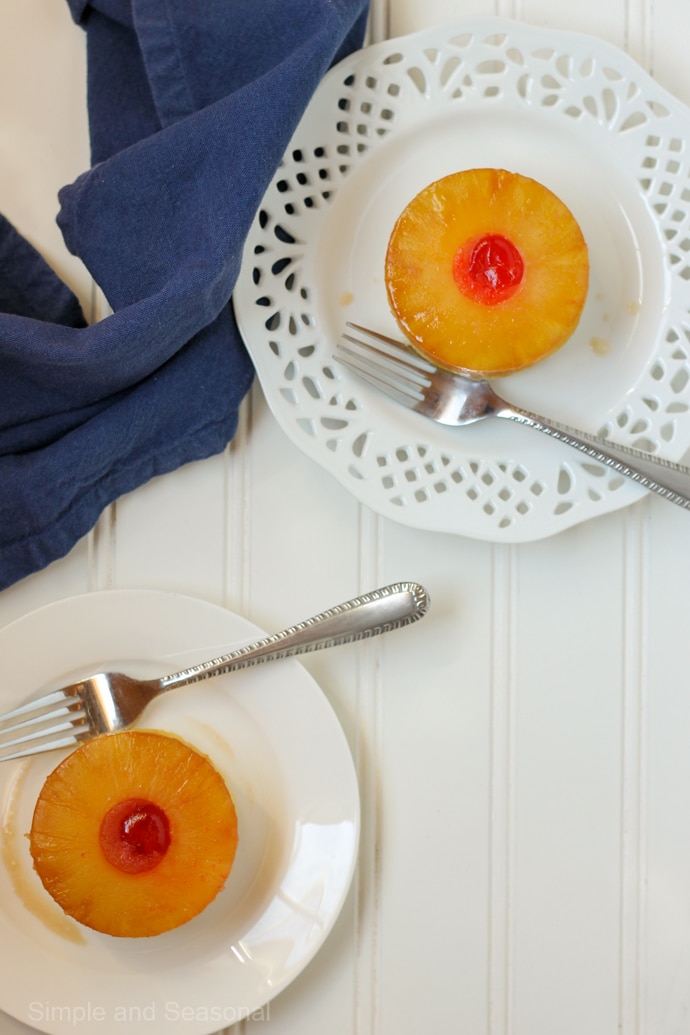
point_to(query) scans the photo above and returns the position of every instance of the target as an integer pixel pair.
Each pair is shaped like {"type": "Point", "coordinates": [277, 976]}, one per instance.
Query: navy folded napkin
{"type": "Point", "coordinates": [192, 104]}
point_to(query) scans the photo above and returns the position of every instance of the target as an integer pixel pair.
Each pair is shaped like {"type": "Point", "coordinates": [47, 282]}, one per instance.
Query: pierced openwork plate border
{"type": "Point", "coordinates": [581, 117]}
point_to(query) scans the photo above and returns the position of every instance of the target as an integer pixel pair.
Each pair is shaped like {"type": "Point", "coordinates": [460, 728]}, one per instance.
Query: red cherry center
{"type": "Point", "coordinates": [134, 835]}
{"type": "Point", "coordinates": [488, 269]}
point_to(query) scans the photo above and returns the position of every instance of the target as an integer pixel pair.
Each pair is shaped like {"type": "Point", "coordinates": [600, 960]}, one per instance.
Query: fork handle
{"type": "Point", "coordinates": [390, 607]}
{"type": "Point", "coordinates": [670, 480]}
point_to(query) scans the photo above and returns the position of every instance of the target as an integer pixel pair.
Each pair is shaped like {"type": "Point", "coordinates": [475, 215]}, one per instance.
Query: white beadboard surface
{"type": "Point", "coordinates": [524, 752]}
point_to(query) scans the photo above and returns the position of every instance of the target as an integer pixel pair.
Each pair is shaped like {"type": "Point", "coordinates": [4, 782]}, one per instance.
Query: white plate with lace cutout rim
{"type": "Point", "coordinates": [571, 111]}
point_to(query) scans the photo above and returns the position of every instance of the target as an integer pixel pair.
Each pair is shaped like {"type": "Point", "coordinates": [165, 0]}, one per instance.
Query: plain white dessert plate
{"type": "Point", "coordinates": [275, 738]}
{"type": "Point", "coordinates": [571, 111]}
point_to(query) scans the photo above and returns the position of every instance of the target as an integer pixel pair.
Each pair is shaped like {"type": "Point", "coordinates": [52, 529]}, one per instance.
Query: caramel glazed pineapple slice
{"type": "Point", "coordinates": [134, 833]}
{"type": "Point", "coordinates": [486, 272]}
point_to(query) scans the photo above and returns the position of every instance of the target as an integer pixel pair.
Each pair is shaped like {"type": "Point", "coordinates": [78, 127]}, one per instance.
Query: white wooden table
{"type": "Point", "coordinates": [523, 752]}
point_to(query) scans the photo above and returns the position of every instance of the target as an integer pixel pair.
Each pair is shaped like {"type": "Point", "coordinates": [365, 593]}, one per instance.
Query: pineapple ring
{"type": "Point", "coordinates": [134, 833]}
{"type": "Point", "coordinates": [486, 272]}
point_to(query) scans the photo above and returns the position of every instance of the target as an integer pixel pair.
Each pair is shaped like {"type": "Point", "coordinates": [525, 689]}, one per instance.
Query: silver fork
{"type": "Point", "coordinates": [110, 701]}
{"type": "Point", "coordinates": [453, 399]}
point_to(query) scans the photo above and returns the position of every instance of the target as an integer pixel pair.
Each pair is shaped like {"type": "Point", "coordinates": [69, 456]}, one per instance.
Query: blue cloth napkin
{"type": "Point", "coordinates": [192, 104]}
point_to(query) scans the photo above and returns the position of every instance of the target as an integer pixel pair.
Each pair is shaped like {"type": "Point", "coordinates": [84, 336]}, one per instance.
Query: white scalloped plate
{"type": "Point", "coordinates": [273, 735]}
{"type": "Point", "coordinates": [569, 110]}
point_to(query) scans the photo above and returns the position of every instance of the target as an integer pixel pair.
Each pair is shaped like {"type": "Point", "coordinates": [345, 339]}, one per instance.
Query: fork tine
{"type": "Point", "coordinates": [383, 381]}
{"type": "Point", "coordinates": [402, 353]}
{"type": "Point", "coordinates": [57, 697]}
{"type": "Point", "coordinates": [386, 372]}
{"type": "Point", "coordinates": [48, 722]}
{"type": "Point", "coordinates": [396, 350]}
{"type": "Point", "coordinates": [36, 735]}
{"type": "Point", "coordinates": [371, 358]}
{"type": "Point", "coordinates": [74, 711]}
{"type": "Point", "coordinates": [394, 368]}
{"type": "Point", "coordinates": [37, 747]}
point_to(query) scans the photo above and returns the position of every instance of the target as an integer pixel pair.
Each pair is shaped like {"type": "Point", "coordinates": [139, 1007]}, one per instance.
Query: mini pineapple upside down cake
{"type": "Point", "coordinates": [486, 272]}
{"type": "Point", "coordinates": [134, 833]}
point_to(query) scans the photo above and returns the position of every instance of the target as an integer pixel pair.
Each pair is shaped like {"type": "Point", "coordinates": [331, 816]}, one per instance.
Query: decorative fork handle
{"type": "Point", "coordinates": [670, 480]}
{"type": "Point", "coordinates": [382, 610]}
